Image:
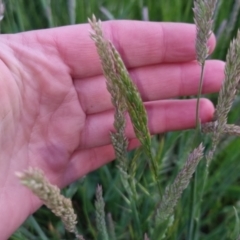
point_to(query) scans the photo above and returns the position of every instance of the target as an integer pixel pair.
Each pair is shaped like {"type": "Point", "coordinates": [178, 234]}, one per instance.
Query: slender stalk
{"type": "Point", "coordinates": [2, 10]}
{"type": "Point", "coordinates": [193, 206]}
{"type": "Point", "coordinates": [198, 121]}
{"type": "Point", "coordinates": [203, 14]}
{"type": "Point", "coordinates": [72, 11]}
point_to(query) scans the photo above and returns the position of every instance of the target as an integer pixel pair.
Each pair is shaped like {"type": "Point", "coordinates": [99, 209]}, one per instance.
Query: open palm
{"type": "Point", "coordinates": [56, 113]}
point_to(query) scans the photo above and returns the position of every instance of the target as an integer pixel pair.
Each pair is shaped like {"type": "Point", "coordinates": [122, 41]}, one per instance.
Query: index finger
{"type": "Point", "coordinates": [139, 43]}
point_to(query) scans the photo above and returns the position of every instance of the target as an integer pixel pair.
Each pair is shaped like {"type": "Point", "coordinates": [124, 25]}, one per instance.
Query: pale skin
{"type": "Point", "coordinates": [56, 113]}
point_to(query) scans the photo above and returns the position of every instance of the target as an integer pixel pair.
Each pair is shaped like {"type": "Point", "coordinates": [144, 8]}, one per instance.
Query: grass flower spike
{"type": "Point", "coordinates": [229, 87]}
{"type": "Point", "coordinates": [111, 227]}
{"type": "Point", "coordinates": [118, 138]}
{"type": "Point", "coordinates": [62, 207]}
{"type": "Point", "coordinates": [227, 95]}
{"type": "Point", "coordinates": [100, 214]}
{"type": "Point", "coordinates": [117, 74]}
{"type": "Point", "coordinates": [174, 191]}
{"type": "Point", "coordinates": [203, 13]}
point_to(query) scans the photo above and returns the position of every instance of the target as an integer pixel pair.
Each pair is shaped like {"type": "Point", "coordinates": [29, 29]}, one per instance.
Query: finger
{"type": "Point", "coordinates": [84, 161]}
{"type": "Point", "coordinates": [139, 43]}
{"type": "Point", "coordinates": [154, 83]}
{"type": "Point", "coordinates": [164, 115]}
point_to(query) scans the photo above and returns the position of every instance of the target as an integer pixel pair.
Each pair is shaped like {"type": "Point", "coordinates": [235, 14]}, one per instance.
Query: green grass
{"type": "Point", "coordinates": [218, 219]}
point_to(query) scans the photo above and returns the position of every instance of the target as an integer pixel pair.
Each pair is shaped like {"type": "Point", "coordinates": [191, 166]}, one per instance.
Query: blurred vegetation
{"type": "Point", "coordinates": [217, 217]}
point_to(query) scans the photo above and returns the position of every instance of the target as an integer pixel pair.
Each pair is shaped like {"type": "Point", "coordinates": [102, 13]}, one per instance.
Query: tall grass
{"type": "Point", "coordinates": [132, 211]}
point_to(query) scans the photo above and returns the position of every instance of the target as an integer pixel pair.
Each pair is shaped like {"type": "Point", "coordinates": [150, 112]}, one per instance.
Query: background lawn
{"type": "Point", "coordinates": [212, 218]}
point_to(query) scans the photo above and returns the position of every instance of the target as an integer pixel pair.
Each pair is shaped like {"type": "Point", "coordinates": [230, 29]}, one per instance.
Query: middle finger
{"type": "Point", "coordinates": [154, 82]}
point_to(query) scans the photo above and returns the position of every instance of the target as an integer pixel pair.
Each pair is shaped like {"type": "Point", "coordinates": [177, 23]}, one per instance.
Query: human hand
{"type": "Point", "coordinates": [56, 113]}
